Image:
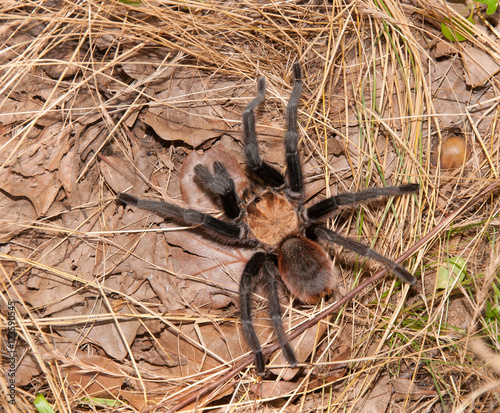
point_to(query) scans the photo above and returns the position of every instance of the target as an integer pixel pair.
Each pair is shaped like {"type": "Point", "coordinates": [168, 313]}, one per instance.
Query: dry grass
{"type": "Point", "coordinates": [77, 81]}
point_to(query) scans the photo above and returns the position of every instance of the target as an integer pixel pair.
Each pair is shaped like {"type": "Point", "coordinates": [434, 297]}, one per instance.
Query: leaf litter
{"type": "Point", "coordinates": [113, 295]}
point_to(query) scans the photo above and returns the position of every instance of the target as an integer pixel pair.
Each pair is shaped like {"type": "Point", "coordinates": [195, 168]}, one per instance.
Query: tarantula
{"type": "Point", "coordinates": [271, 218]}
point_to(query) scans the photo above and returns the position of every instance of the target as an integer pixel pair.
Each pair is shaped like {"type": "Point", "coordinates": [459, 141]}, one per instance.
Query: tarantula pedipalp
{"type": "Point", "coordinates": [271, 218]}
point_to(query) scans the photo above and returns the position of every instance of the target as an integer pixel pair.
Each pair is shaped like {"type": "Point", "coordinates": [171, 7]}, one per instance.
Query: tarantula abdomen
{"type": "Point", "coordinates": [306, 269]}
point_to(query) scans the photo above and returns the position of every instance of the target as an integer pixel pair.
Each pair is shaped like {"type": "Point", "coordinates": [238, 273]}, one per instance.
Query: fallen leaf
{"type": "Point", "coordinates": [107, 334]}
{"type": "Point", "coordinates": [190, 109]}
{"type": "Point", "coordinates": [404, 388]}
{"type": "Point", "coordinates": [58, 58]}
{"type": "Point", "coordinates": [118, 173]}
{"type": "Point", "coordinates": [479, 66]}
{"type": "Point", "coordinates": [90, 375]}
{"type": "Point", "coordinates": [152, 63]}
{"type": "Point", "coordinates": [31, 166]}
{"type": "Point", "coordinates": [16, 215]}
{"type": "Point", "coordinates": [214, 268]}
{"type": "Point", "coordinates": [378, 398]}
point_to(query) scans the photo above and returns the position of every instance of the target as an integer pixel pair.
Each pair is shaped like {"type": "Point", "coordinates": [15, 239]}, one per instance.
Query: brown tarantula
{"type": "Point", "coordinates": [274, 221]}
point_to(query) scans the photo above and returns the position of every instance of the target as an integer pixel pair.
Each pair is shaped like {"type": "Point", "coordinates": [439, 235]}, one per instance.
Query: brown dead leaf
{"type": "Point", "coordinates": [94, 376]}
{"type": "Point", "coordinates": [378, 398]}
{"type": "Point", "coordinates": [121, 175]}
{"type": "Point", "coordinates": [27, 365]}
{"type": "Point", "coordinates": [108, 335]}
{"type": "Point", "coordinates": [272, 389]}
{"type": "Point", "coordinates": [147, 349]}
{"type": "Point", "coordinates": [20, 110]}
{"type": "Point", "coordinates": [118, 173]}
{"type": "Point", "coordinates": [59, 57]}
{"type": "Point", "coordinates": [190, 109]}
{"type": "Point", "coordinates": [30, 174]}
{"type": "Point", "coordinates": [154, 63]}
{"type": "Point", "coordinates": [479, 67]}
{"type": "Point", "coordinates": [27, 102]}
{"type": "Point", "coordinates": [48, 291]}
{"type": "Point", "coordinates": [147, 257]}
{"type": "Point", "coordinates": [15, 216]}
{"type": "Point", "coordinates": [216, 268]}
{"type": "Point", "coordinates": [442, 48]}
{"type": "Point", "coordinates": [66, 174]}
{"type": "Point", "coordinates": [41, 190]}
{"type": "Point", "coordinates": [404, 388]}
{"type": "Point", "coordinates": [450, 91]}
{"type": "Point", "coordinates": [200, 347]}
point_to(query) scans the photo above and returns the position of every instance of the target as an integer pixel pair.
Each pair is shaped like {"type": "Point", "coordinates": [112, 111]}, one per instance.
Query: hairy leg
{"type": "Point", "coordinates": [292, 136]}
{"type": "Point", "coordinates": [331, 204]}
{"type": "Point", "coordinates": [271, 274]}
{"type": "Point", "coordinates": [262, 170]}
{"type": "Point", "coordinates": [184, 215]}
{"type": "Point", "coordinates": [246, 289]}
{"type": "Point", "coordinates": [361, 249]}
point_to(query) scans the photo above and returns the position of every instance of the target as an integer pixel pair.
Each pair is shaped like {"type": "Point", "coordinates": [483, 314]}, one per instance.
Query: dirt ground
{"type": "Point", "coordinates": [107, 307]}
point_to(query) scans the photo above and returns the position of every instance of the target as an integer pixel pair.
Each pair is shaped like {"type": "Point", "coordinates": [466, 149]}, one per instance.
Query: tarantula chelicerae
{"type": "Point", "coordinates": [273, 220]}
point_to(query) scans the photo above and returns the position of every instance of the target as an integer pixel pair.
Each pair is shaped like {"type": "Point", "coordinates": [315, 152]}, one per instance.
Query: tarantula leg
{"type": "Point", "coordinates": [184, 215]}
{"type": "Point", "coordinates": [221, 184]}
{"type": "Point", "coordinates": [264, 171]}
{"type": "Point", "coordinates": [292, 135]}
{"type": "Point", "coordinates": [361, 249]}
{"type": "Point", "coordinates": [271, 274]}
{"type": "Point", "coordinates": [331, 204]}
{"type": "Point", "coordinates": [246, 288]}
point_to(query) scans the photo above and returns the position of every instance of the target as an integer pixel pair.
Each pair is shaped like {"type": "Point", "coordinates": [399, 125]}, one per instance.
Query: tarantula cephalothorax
{"type": "Point", "coordinates": [274, 222]}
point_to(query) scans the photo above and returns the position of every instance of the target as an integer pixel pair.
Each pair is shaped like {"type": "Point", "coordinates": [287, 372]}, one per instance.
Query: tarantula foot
{"type": "Point", "coordinates": [409, 188]}
{"type": "Point", "coordinates": [289, 354]}
{"type": "Point", "coordinates": [404, 275]}
{"type": "Point", "coordinates": [297, 72]}
{"type": "Point", "coordinates": [260, 364]}
{"type": "Point", "coordinates": [128, 199]}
